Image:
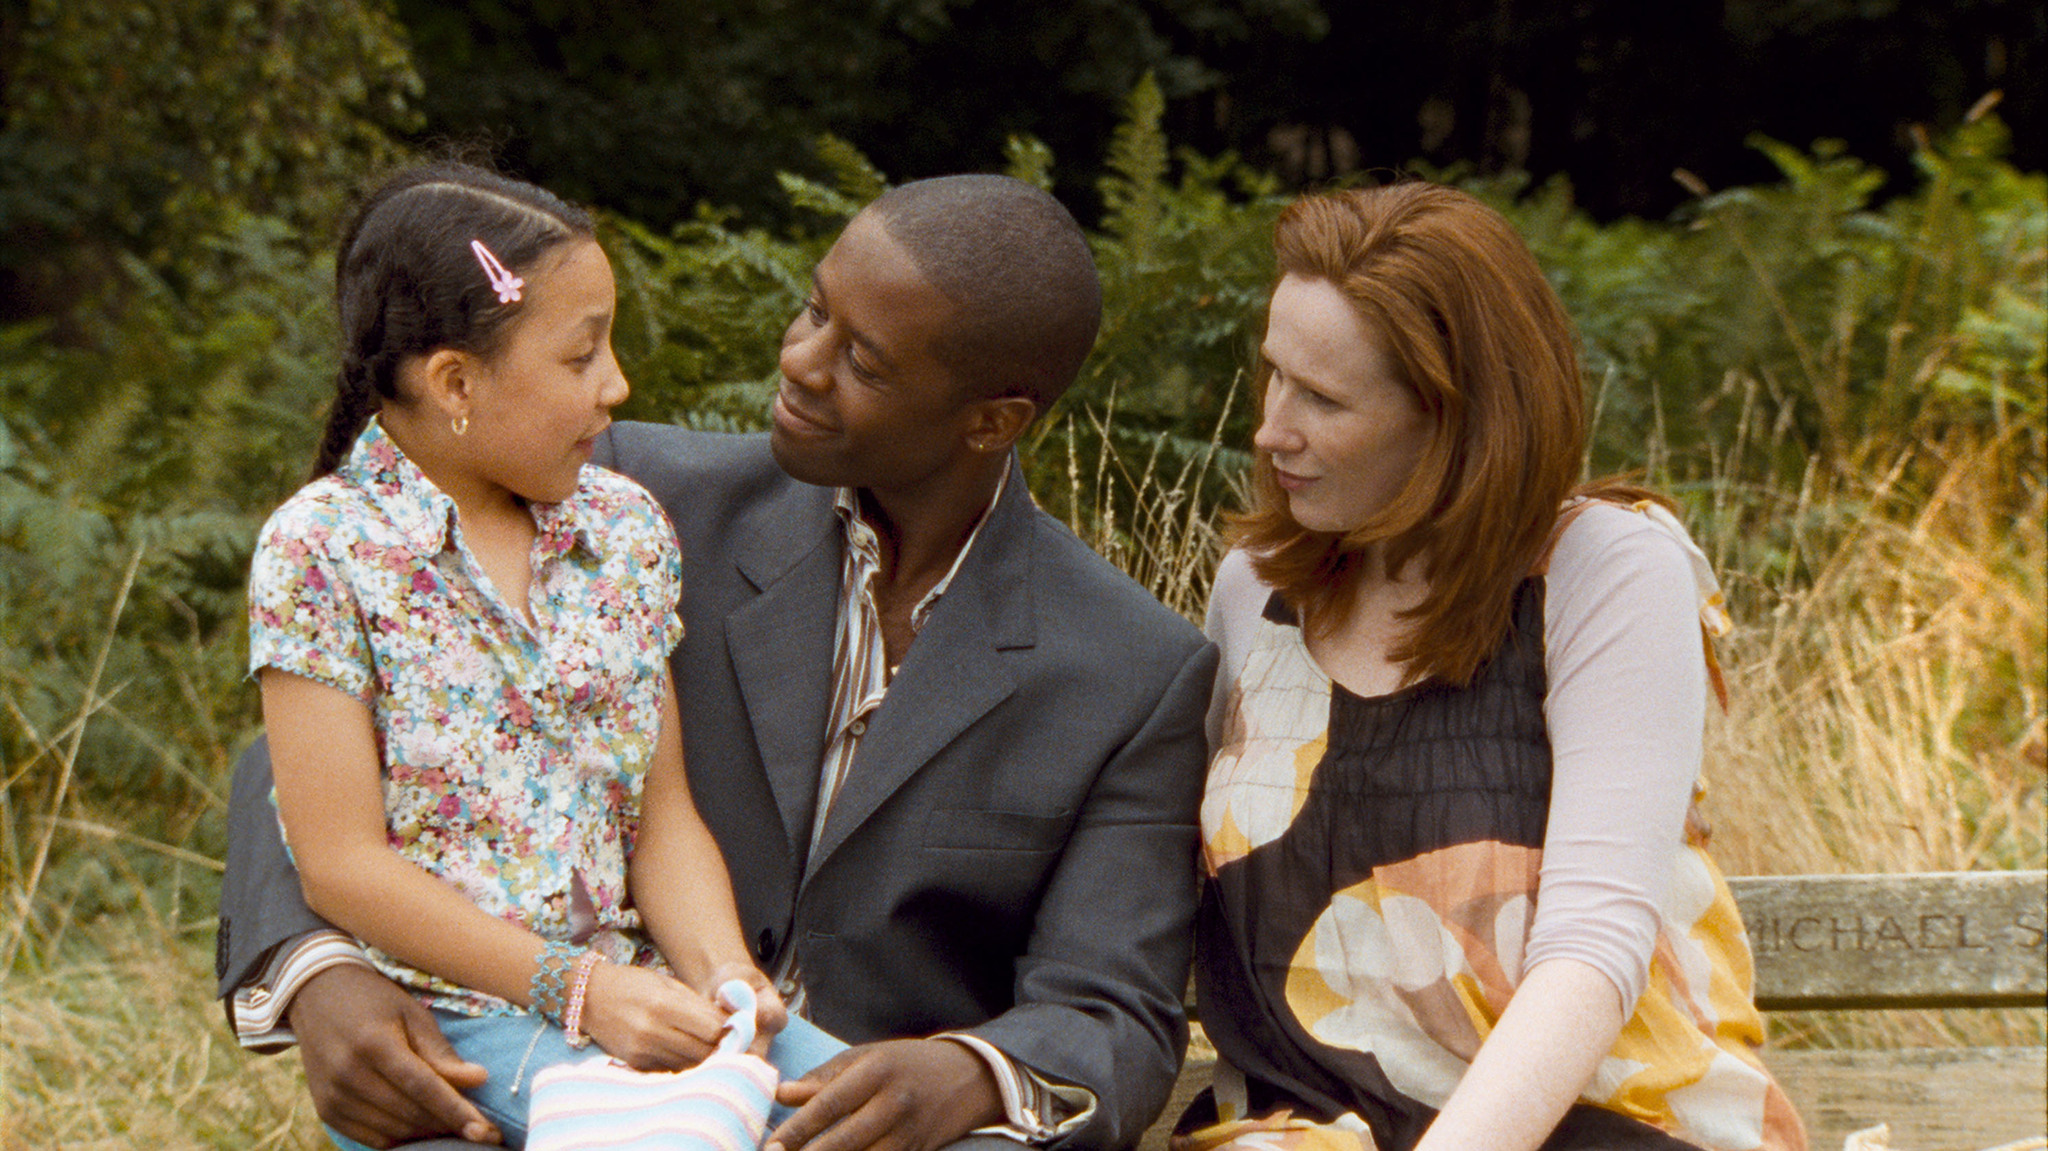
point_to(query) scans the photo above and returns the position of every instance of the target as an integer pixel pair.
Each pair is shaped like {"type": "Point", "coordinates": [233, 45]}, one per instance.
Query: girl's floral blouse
{"type": "Point", "coordinates": [513, 753]}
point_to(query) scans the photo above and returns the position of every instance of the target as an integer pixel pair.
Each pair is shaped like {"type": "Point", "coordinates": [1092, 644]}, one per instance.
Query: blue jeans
{"type": "Point", "coordinates": [500, 1043]}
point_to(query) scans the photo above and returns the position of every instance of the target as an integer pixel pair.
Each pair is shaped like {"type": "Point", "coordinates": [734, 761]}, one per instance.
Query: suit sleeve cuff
{"type": "Point", "coordinates": [258, 1006]}
{"type": "Point", "coordinates": [1038, 1110]}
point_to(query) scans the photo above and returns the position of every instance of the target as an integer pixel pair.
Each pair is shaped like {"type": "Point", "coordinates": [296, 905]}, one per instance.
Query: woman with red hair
{"type": "Point", "coordinates": [1453, 893]}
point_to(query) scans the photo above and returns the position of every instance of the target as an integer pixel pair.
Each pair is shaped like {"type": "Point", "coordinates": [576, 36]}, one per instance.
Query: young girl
{"type": "Point", "coordinates": [462, 636]}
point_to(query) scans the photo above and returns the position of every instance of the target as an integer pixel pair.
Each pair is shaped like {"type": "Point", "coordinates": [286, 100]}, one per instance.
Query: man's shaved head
{"type": "Point", "coordinates": [1014, 262]}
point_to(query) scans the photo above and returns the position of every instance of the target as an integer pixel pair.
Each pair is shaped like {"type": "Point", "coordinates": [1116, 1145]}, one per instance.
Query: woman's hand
{"type": "Point", "coordinates": [771, 1015]}
{"type": "Point", "coordinates": [648, 1020]}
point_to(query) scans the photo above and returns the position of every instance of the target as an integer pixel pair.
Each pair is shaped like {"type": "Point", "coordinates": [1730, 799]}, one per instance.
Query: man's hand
{"type": "Point", "coordinates": [379, 1068]}
{"type": "Point", "coordinates": [901, 1095]}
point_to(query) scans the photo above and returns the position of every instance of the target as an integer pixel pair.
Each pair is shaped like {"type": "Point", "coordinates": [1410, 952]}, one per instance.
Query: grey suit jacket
{"type": "Point", "coordinates": [1013, 851]}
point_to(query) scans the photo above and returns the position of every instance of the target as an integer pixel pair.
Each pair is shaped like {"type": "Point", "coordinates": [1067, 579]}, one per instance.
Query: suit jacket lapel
{"type": "Point", "coordinates": [952, 676]}
{"type": "Point", "coordinates": [781, 645]}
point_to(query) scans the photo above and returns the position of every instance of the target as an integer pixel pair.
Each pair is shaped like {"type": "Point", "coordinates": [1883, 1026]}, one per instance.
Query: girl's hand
{"type": "Point", "coordinates": [770, 1013]}
{"type": "Point", "coordinates": [648, 1020]}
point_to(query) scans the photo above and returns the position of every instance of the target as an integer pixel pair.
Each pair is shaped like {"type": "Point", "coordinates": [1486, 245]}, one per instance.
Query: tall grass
{"type": "Point", "coordinates": [1145, 503]}
{"type": "Point", "coordinates": [1886, 710]}
{"type": "Point", "coordinates": [120, 1045]}
{"type": "Point", "coordinates": [1897, 690]}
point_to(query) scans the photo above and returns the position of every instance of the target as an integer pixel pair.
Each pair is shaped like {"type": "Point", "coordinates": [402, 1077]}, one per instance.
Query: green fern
{"type": "Point", "coordinates": [1027, 158]}
{"type": "Point", "coordinates": [1137, 160]}
{"type": "Point", "coordinates": [856, 178]}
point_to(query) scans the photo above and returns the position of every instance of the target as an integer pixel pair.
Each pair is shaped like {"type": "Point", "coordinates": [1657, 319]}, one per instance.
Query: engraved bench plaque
{"type": "Point", "coordinates": [1956, 939]}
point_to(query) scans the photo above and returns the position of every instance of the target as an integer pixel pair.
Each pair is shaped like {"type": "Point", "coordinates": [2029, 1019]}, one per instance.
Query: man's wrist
{"type": "Point", "coordinates": [1032, 1108]}
{"type": "Point", "coordinates": [984, 1110]}
{"type": "Point", "coordinates": [261, 1006]}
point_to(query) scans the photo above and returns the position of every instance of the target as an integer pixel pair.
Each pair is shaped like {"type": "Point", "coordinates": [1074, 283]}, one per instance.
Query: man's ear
{"type": "Point", "coordinates": [996, 423]}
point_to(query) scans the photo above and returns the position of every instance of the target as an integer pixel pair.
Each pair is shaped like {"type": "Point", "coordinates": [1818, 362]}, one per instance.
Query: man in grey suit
{"type": "Point", "coordinates": [953, 759]}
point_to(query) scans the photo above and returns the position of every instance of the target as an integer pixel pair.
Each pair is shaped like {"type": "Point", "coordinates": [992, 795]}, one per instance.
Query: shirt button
{"type": "Point", "coordinates": [858, 728]}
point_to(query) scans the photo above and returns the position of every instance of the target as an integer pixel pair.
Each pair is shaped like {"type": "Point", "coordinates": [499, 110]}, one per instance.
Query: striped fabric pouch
{"type": "Point", "coordinates": [719, 1105]}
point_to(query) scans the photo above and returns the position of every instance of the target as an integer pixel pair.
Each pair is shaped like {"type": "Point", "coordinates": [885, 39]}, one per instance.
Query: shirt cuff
{"type": "Point", "coordinates": [1038, 1110]}
{"type": "Point", "coordinates": [258, 1006]}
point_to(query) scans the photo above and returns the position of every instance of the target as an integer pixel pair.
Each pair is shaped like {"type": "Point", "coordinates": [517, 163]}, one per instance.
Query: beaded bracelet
{"type": "Point", "coordinates": [572, 1020]}
{"type": "Point", "coordinates": [550, 974]}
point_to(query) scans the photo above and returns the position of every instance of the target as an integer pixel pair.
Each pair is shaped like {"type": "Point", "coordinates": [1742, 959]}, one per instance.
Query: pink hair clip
{"type": "Point", "coordinates": [503, 281]}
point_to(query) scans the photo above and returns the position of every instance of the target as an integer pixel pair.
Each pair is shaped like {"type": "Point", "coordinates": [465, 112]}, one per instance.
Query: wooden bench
{"type": "Point", "coordinates": [1876, 942]}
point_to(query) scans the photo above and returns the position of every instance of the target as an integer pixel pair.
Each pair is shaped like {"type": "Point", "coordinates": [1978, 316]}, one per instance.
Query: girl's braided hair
{"type": "Point", "coordinates": [407, 283]}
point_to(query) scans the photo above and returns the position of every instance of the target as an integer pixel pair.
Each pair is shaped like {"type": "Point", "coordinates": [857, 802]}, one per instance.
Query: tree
{"type": "Point", "coordinates": [136, 128]}
{"type": "Point", "coordinates": [656, 108]}
{"type": "Point", "coordinates": [1615, 94]}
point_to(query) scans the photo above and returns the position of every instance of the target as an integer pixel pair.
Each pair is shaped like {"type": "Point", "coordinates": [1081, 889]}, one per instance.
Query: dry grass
{"type": "Point", "coordinates": [120, 1045]}
{"type": "Point", "coordinates": [1887, 710]}
{"type": "Point", "coordinates": [1898, 693]}
{"type": "Point", "coordinates": [1147, 516]}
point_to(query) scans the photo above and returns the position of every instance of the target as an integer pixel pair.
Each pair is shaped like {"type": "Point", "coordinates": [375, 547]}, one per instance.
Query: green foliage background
{"type": "Point", "coordinates": [1761, 340]}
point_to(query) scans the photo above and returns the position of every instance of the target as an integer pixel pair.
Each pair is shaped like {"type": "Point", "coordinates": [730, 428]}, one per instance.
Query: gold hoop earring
{"type": "Point", "coordinates": [459, 425]}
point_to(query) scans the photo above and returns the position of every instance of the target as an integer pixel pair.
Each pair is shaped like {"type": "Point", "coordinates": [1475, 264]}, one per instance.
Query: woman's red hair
{"type": "Point", "coordinates": [1476, 330]}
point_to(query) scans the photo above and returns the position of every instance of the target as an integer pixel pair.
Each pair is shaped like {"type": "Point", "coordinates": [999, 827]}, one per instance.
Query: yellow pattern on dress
{"type": "Point", "coordinates": [1279, 1130]}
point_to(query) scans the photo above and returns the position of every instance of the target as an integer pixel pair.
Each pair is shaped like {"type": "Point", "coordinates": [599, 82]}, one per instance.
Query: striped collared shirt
{"type": "Point", "coordinates": [1037, 1110]}
{"type": "Point", "coordinates": [860, 660]}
